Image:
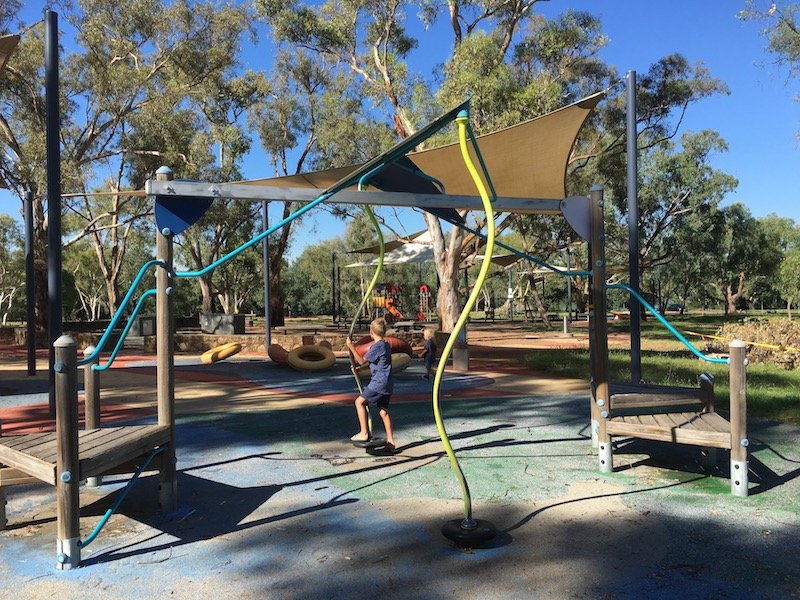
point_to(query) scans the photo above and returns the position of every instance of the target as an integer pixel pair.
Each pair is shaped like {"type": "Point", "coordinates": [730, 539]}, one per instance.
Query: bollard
{"type": "Point", "coordinates": [68, 550]}
{"type": "Point", "coordinates": [738, 400]}
{"type": "Point", "coordinates": [91, 395]}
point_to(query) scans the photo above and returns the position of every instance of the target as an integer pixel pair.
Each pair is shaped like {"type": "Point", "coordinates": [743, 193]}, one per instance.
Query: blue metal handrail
{"type": "Point", "coordinates": [665, 323]}
{"type": "Point", "coordinates": [118, 315]}
{"type": "Point", "coordinates": [128, 325]}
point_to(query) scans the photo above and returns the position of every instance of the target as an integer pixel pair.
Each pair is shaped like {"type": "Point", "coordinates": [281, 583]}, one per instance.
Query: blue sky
{"type": "Point", "coordinates": [759, 119]}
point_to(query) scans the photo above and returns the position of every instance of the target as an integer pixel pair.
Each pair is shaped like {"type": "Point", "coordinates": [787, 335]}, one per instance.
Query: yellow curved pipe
{"type": "Point", "coordinates": [462, 122]}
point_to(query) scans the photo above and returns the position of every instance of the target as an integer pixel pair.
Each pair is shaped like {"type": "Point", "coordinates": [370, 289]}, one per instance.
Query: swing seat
{"type": "Point", "coordinates": [375, 442]}
{"type": "Point", "coordinates": [385, 450]}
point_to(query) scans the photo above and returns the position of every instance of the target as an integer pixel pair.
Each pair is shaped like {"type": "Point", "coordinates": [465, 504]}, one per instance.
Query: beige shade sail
{"type": "Point", "coordinates": [7, 45]}
{"type": "Point", "coordinates": [528, 160]}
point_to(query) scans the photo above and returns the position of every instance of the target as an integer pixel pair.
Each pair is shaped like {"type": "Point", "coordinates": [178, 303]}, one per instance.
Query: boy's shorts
{"type": "Point", "coordinates": [376, 398]}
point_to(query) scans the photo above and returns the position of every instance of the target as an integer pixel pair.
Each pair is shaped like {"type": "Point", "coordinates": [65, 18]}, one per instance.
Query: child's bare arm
{"type": "Point", "coordinates": [352, 347]}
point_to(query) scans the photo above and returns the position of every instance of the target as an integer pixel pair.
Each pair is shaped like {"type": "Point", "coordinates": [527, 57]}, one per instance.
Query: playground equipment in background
{"type": "Point", "coordinates": [307, 357]}
{"type": "Point", "coordinates": [401, 353]}
{"type": "Point", "coordinates": [386, 302]}
{"type": "Point", "coordinates": [397, 345]}
{"type": "Point", "coordinates": [311, 358]}
{"type": "Point", "coordinates": [400, 362]}
{"type": "Point", "coordinates": [220, 353]}
{"type": "Point", "coordinates": [277, 353]}
{"type": "Point", "coordinates": [424, 313]}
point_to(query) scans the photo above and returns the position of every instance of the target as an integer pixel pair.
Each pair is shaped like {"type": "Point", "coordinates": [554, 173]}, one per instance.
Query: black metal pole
{"type": "Point", "coordinates": [333, 286]}
{"type": "Point", "coordinates": [265, 250]}
{"type": "Point", "coordinates": [569, 289]}
{"type": "Point", "coordinates": [53, 125]}
{"type": "Point", "coordinates": [30, 285]}
{"type": "Point", "coordinates": [633, 231]}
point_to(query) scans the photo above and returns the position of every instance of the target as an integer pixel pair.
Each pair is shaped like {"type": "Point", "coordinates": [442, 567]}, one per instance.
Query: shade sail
{"type": "Point", "coordinates": [416, 248]}
{"type": "Point", "coordinates": [7, 45]}
{"type": "Point", "coordinates": [528, 160]}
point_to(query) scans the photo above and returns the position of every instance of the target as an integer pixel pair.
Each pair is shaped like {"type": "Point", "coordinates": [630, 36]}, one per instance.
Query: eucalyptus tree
{"type": "Point", "coordinates": [788, 279]}
{"type": "Point", "coordinates": [129, 66]}
{"type": "Point", "coordinates": [679, 191]}
{"type": "Point", "coordinates": [369, 41]}
{"type": "Point", "coordinates": [781, 236]}
{"type": "Point", "coordinates": [11, 267]}
{"type": "Point", "coordinates": [743, 254]}
{"type": "Point", "coordinates": [514, 63]}
{"type": "Point", "coordinates": [781, 28]}
{"type": "Point", "coordinates": [88, 282]}
{"type": "Point", "coordinates": [288, 117]}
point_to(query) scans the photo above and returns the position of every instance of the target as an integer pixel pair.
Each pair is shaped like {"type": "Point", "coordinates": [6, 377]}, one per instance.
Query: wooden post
{"type": "Point", "coordinates": [598, 332]}
{"type": "Point", "coordinates": [3, 501]}
{"type": "Point", "coordinates": [706, 382]}
{"type": "Point", "coordinates": [91, 395]}
{"type": "Point", "coordinates": [739, 441]}
{"type": "Point", "coordinates": [68, 550]}
{"type": "Point", "coordinates": [165, 379]}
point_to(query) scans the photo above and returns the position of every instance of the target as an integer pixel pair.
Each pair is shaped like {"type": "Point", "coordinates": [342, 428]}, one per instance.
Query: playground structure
{"type": "Point", "coordinates": [386, 302]}
{"type": "Point", "coordinates": [425, 312]}
{"type": "Point", "coordinates": [68, 456]}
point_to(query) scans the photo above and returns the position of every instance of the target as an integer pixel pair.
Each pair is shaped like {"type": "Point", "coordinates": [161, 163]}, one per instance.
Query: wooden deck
{"type": "Point", "coordinates": [669, 414]}
{"type": "Point", "coordinates": [99, 450]}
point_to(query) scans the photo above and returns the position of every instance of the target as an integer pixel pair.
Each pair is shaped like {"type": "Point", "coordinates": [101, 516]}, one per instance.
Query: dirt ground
{"type": "Point", "coordinates": [275, 503]}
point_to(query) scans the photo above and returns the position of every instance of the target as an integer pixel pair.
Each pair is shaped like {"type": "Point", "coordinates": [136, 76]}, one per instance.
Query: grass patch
{"type": "Point", "coordinates": [772, 392]}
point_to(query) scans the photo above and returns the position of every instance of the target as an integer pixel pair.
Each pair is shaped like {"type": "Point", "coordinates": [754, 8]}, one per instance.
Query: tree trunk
{"type": "Point", "coordinates": [446, 260]}
{"type": "Point", "coordinates": [732, 297]}
{"type": "Point", "coordinates": [207, 305]}
{"type": "Point", "coordinates": [277, 316]}
{"type": "Point", "coordinates": [40, 263]}
{"type": "Point", "coordinates": [540, 307]}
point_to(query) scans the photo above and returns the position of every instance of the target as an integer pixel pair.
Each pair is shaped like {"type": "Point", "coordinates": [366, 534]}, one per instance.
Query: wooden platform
{"type": "Point", "coordinates": [100, 450]}
{"type": "Point", "coordinates": [669, 414]}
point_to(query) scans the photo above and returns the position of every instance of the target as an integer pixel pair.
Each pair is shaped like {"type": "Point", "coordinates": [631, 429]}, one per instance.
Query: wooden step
{"type": "Point", "coordinates": [693, 428]}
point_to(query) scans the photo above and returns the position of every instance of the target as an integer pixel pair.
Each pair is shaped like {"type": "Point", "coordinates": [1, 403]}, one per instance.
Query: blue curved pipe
{"type": "Point", "coordinates": [90, 538]}
{"type": "Point", "coordinates": [128, 325]}
{"type": "Point", "coordinates": [118, 315]}
{"type": "Point", "coordinates": [253, 241]}
{"type": "Point", "coordinates": [665, 323]}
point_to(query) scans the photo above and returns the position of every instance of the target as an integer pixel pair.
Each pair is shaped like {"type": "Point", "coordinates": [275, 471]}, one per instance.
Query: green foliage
{"type": "Point", "coordinates": [789, 277]}
{"type": "Point", "coordinates": [8, 10]}
{"type": "Point", "coordinates": [144, 83]}
{"type": "Point", "coordinates": [782, 29]}
{"type": "Point", "coordinates": [12, 269]}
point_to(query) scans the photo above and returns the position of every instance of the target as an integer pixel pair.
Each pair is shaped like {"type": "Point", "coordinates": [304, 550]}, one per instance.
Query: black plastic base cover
{"type": "Point", "coordinates": [471, 533]}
